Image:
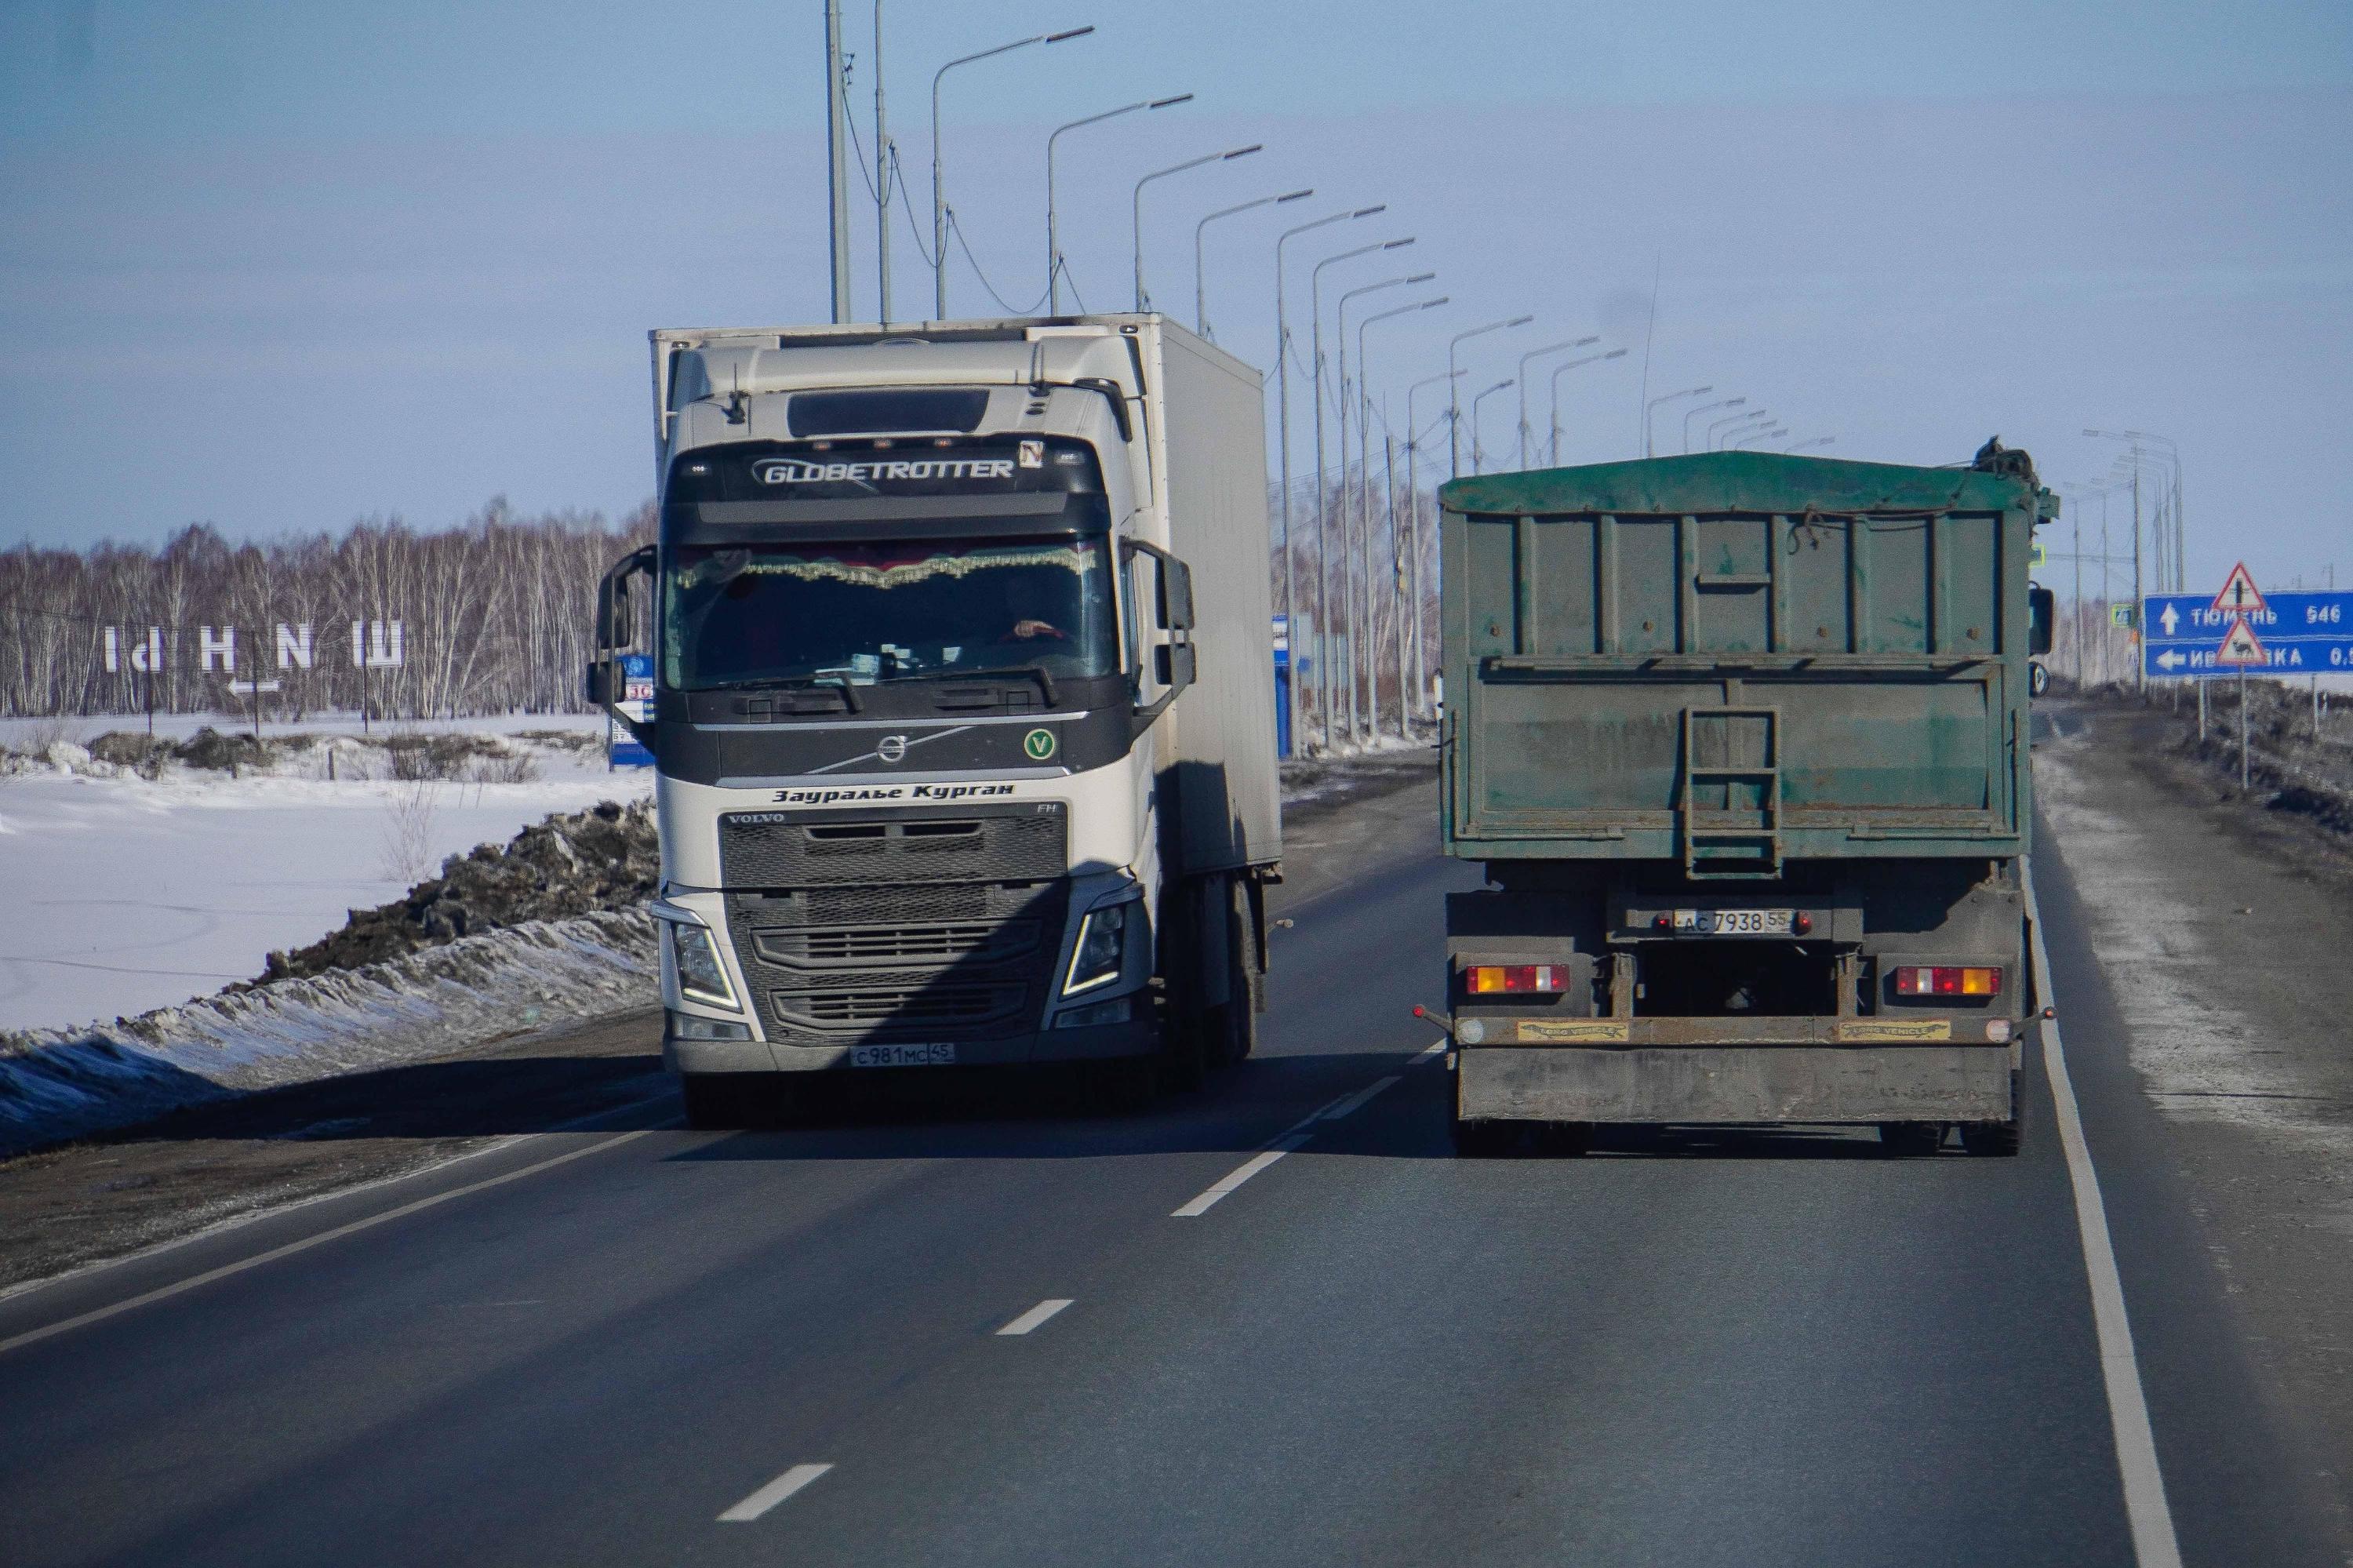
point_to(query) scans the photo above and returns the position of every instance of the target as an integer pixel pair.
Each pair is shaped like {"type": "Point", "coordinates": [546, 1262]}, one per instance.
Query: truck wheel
{"type": "Point", "coordinates": [1236, 1034]}
{"type": "Point", "coordinates": [1911, 1140]}
{"type": "Point", "coordinates": [716, 1101]}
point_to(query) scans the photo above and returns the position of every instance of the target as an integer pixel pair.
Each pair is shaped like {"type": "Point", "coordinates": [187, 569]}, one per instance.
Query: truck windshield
{"type": "Point", "coordinates": [749, 615]}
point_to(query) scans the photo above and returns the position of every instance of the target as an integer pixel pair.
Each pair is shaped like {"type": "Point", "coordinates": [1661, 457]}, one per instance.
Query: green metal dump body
{"type": "Point", "coordinates": [1736, 662]}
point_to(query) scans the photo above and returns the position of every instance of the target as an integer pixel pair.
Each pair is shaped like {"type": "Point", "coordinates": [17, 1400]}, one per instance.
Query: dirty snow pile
{"type": "Point", "coordinates": [63, 1083]}
{"type": "Point", "coordinates": [605, 858]}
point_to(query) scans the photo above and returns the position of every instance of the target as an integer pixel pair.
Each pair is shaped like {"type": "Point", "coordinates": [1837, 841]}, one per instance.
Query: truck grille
{"type": "Point", "coordinates": [850, 929]}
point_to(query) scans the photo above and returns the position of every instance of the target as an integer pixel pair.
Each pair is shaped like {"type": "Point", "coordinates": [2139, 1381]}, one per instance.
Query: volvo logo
{"type": "Point", "coordinates": [891, 749]}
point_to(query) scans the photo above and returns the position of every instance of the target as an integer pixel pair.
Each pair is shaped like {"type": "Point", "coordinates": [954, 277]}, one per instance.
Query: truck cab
{"type": "Point", "coordinates": [928, 699]}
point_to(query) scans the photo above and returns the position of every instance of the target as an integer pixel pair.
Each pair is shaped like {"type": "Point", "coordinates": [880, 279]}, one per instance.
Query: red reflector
{"type": "Point", "coordinates": [1801, 924]}
{"type": "Point", "coordinates": [1662, 923]}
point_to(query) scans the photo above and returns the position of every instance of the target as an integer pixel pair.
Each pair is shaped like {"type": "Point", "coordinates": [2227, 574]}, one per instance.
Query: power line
{"type": "Point", "coordinates": [965, 246]}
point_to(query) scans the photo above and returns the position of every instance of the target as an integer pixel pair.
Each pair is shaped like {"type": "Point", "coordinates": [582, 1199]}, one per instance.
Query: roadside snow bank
{"type": "Point", "coordinates": [57, 1084]}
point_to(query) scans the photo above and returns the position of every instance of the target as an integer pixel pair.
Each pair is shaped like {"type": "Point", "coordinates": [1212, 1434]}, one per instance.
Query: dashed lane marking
{"type": "Point", "coordinates": [2154, 1542]}
{"type": "Point", "coordinates": [772, 1494]}
{"type": "Point", "coordinates": [1349, 1106]}
{"type": "Point", "coordinates": [1240, 1173]}
{"type": "Point", "coordinates": [1035, 1316]}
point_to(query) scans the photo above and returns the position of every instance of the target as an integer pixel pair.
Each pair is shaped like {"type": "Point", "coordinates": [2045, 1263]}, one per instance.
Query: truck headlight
{"type": "Point", "coordinates": [1102, 948]}
{"type": "Point", "coordinates": [700, 976]}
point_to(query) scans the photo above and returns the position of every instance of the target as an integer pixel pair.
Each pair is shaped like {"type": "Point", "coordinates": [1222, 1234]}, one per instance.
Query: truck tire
{"type": "Point", "coordinates": [721, 1101]}
{"type": "Point", "coordinates": [1235, 1034]}
{"type": "Point", "coordinates": [1998, 1139]}
{"type": "Point", "coordinates": [1911, 1140]}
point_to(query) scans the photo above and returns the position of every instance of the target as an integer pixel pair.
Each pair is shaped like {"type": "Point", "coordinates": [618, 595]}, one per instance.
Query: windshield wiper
{"type": "Point", "coordinates": [795, 684]}
{"type": "Point", "coordinates": [1044, 681]}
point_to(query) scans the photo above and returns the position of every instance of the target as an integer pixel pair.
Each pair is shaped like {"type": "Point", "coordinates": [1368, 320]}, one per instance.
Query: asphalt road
{"type": "Point", "coordinates": [1738, 1349]}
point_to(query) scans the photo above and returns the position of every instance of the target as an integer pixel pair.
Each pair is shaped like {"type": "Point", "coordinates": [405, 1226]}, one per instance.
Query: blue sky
{"type": "Point", "coordinates": [278, 266]}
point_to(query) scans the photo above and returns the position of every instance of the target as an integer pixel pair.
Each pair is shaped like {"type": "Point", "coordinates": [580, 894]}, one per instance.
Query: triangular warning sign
{"type": "Point", "coordinates": [2239, 595]}
{"type": "Point", "coordinates": [2240, 648]}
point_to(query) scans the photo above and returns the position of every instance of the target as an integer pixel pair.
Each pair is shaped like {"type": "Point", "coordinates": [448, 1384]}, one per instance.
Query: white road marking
{"type": "Point", "coordinates": [178, 1288]}
{"type": "Point", "coordinates": [1434, 1049]}
{"type": "Point", "coordinates": [2154, 1543]}
{"type": "Point", "coordinates": [772, 1494]}
{"type": "Point", "coordinates": [1240, 1173]}
{"type": "Point", "coordinates": [1035, 1316]}
{"type": "Point", "coordinates": [588, 1123]}
{"type": "Point", "coordinates": [1348, 1106]}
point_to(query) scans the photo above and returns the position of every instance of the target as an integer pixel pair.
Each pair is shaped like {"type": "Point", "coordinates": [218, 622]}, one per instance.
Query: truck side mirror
{"type": "Point", "coordinates": [1175, 664]}
{"type": "Point", "coordinates": [2041, 611]}
{"type": "Point", "coordinates": [617, 629]}
{"type": "Point", "coordinates": [598, 686]}
{"type": "Point", "coordinates": [1176, 593]}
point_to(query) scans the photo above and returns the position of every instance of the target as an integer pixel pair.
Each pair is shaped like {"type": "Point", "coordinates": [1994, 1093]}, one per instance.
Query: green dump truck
{"type": "Point", "coordinates": [1742, 741]}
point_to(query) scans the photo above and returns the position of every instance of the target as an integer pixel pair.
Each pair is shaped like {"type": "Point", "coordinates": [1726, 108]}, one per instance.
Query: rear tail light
{"type": "Point", "coordinates": [1943, 981]}
{"type": "Point", "coordinates": [1487, 979]}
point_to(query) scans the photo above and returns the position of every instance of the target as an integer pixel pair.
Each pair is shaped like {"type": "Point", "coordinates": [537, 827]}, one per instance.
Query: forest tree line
{"type": "Point", "coordinates": [495, 616]}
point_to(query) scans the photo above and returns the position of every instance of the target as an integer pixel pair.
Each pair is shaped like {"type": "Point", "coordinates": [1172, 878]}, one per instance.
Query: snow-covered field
{"type": "Point", "coordinates": [121, 894]}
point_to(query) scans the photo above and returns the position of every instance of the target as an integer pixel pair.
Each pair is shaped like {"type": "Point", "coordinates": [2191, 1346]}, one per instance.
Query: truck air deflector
{"type": "Point", "coordinates": [909, 516]}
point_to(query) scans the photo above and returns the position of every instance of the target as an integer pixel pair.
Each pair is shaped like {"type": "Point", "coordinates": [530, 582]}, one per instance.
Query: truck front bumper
{"type": "Point", "coordinates": [1736, 1083]}
{"type": "Point", "coordinates": [1139, 1038]}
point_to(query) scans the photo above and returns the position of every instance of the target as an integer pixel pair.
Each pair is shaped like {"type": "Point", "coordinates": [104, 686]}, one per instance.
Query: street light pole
{"type": "Point", "coordinates": [1054, 238]}
{"type": "Point", "coordinates": [1557, 371]}
{"type": "Point", "coordinates": [1200, 273]}
{"type": "Point", "coordinates": [1520, 443]}
{"type": "Point", "coordinates": [1454, 406]}
{"type": "Point", "coordinates": [1368, 660]}
{"type": "Point", "coordinates": [1651, 408]}
{"type": "Point", "coordinates": [939, 199]}
{"type": "Point", "coordinates": [1142, 299]}
{"type": "Point", "coordinates": [1413, 514]}
{"type": "Point", "coordinates": [1323, 513]}
{"type": "Point", "coordinates": [1721, 430]}
{"type": "Point", "coordinates": [1704, 408]}
{"type": "Point", "coordinates": [1477, 454]}
{"type": "Point", "coordinates": [836, 168]}
{"type": "Point", "coordinates": [1283, 357]}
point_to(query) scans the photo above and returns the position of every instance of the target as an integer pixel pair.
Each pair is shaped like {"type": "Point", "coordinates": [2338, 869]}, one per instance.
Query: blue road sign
{"type": "Point", "coordinates": [2302, 633]}
{"type": "Point", "coordinates": [637, 701]}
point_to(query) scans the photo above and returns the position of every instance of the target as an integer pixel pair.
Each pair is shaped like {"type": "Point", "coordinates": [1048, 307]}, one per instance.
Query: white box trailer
{"type": "Point", "coordinates": [964, 717]}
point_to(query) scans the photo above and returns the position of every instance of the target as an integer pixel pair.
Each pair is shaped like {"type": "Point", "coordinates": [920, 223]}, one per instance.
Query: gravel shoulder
{"type": "Point", "coordinates": [2221, 925]}
{"type": "Point", "coordinates": [216, 1165]}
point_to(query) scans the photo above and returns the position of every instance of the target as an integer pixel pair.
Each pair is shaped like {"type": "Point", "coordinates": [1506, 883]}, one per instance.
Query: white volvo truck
{"type": "Point", "coordinates": [963, 716]}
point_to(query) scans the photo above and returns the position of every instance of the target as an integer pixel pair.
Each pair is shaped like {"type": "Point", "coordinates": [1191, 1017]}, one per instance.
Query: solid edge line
{"type": "Point", "coordinates": [1035, 1314]}
{"type": "Point", "coordinates": [237, 1222]}
{"type": "Point", "coordinates": [1240, 1173]}
{"type": "Point", "coordinates": [772, 1494]}
{"type": "Point", "coordinates": [2154, 1542]}
{"type": "Point", "coordinates": [165, 1292]}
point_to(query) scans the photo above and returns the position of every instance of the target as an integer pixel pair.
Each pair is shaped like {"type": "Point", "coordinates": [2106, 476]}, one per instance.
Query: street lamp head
{"type": "Point", "coordinates": [1070, 33]}
{"type": "Point", "coordinates": [1398, 244]}
{"type": "Point", "coordinates": [1165, 102]}
{"type": "Point", "coordinates": [1587, 342]}
{"type": "Point", "coordinates": [1368, 211]}
{"type": "Point", "coordinates": [1615, 353]}
{"type": "Point", "coordinates": [1433, 304]}
{"type": "Point", "coordinates": [1245, 152]}
{"type": "Point", "coordinates": [1295, 195]}
{"type": "Point", "coordinates": [1519, 321]}
{"type": "Point", "coordinates": [1733, 402]}
{"type": "Point", "coordinates": [1421, 277]}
